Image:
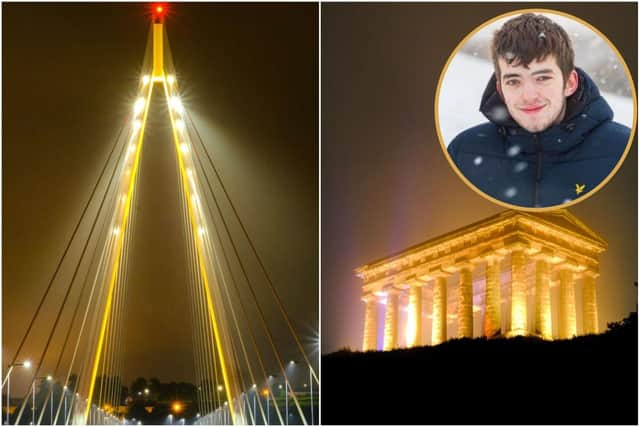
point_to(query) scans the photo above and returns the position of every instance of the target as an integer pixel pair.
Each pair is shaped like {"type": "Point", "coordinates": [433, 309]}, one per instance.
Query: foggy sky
{"type": "Point", "coordinates": [386, 184]}
{"type": "Point", "coordinates": [249, 77]}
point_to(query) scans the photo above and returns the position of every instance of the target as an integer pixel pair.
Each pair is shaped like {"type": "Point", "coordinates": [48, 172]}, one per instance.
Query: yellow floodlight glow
{"type": "Point", "coordinates": [116, 231]}
{"type": "Point", "coordinates": [132, 148]}
{"type": "Point", "coordinates": [189, 173]}
{"type": "Point", "coordinates": [136, 125]}
{"type": "Point", "coordinates": [201, 231]}
{"type": "Point", "coordinates": [145, 80]}
{"type": "Point", "coordinates": [176, 104]}
{"type": "Point", "coordinates": [180, 125]}
{"type": "Point", "coordinates": [184, 147]}
{"type": "Point", "coordinates": [171, 80]}
{"type": "Point", "coordinates": [138, 106]}
{"type": "Point", "coordinates": [117, 259]}
{"type": "Point", "coordinates": [202, 266]}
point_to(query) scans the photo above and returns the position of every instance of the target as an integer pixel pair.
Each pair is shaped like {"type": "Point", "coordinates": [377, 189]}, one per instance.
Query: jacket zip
{"type": "Point", "coordinates": [538, 169]}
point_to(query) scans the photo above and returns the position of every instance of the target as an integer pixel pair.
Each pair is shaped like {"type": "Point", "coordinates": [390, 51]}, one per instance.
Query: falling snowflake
{"type": "Point", "coordinates": [559, 140]}
{"type": "Point", "coordinates": [513, 151]}
{"type": "Point", "coordinates": [520, 166]}
{"type": "Point", "coordinates": [499, 113]}
{"type": "Point", "coordinates": [477, 161]}
{"type": "Point", "coordinates": [510, 192]}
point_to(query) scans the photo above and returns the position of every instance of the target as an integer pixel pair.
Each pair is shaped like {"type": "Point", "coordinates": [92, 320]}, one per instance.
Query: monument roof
{"type": "Point", "coordinates": [560, 219]}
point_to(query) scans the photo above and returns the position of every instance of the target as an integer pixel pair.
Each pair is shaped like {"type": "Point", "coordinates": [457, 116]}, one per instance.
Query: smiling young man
{"type": "Point", "coordinates": [550, 137]}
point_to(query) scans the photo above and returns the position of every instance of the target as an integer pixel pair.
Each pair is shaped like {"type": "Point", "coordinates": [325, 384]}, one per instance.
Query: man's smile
{"type": "Point", "coordinates": [531, 109]}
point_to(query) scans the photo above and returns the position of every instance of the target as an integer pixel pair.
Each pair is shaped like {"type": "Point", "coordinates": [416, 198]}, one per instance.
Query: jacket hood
{"type": "Point", "coordinates": [586, 109]}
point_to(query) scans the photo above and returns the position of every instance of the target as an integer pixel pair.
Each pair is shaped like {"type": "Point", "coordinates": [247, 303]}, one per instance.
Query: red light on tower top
{"type": "Point", "coordinates": [159, 11]}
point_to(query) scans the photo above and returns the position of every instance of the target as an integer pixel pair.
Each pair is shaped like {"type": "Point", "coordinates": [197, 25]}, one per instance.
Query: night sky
{"type": "Point", "coordinates": [249, 77]}
{"type": "Point", "coordinates": [386, 184]}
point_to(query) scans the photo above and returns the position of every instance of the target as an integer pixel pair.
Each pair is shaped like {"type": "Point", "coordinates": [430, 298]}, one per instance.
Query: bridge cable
{"type": "Point", "coordinates": [73, 234]}
{"type": "Point", "coordinates": [39, 364]}
{"type": "Point", "coordinates": [255, 252]}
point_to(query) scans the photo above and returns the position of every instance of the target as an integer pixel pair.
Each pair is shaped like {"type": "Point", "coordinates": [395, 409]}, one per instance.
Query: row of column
{"type": "Point", "coordinates": [492, 315]}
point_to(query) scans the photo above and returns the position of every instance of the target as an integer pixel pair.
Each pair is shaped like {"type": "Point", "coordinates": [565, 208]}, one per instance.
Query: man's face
{"type": "Point", "coordinates": [535, 95]}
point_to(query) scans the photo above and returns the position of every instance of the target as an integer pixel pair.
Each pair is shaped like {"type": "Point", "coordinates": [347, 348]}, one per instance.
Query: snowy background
{"type": "Point", "coordinates": [470, 70]}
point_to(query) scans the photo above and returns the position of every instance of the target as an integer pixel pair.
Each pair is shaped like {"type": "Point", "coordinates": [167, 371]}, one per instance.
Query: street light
{"type": "Point", "coordinates": [25, 364]}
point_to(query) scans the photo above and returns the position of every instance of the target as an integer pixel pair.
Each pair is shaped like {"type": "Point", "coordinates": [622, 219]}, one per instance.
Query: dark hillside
{"type": "Point", "coordinates": [587, 380]}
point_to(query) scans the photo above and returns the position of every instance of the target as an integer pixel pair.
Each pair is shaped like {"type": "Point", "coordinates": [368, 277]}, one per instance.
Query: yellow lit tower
{"type": "Point", "coordinates": [168, 83]}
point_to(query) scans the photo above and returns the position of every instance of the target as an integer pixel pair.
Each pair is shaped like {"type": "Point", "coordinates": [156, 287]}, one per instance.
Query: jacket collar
{"type": "Point", "coordinates": [586, 109]}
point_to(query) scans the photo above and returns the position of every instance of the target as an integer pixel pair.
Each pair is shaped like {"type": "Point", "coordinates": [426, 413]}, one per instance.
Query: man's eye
{"type": "Point", "coordinates": [543, 78]}
{"type": "Point", "coordinates": [512, 82]}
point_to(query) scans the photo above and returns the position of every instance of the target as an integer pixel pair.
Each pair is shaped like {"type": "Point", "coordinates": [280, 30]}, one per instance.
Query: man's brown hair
{"type": "Point", "coordinates": [529, 37]}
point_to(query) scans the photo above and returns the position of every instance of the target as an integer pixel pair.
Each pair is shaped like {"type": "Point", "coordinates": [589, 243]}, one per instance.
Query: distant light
{"type": "Point", "coordinates": [292, 362]}
{"type": "Point", "coordinates": [253, 386]}
{"type": "Point", "coordinates": [78, 394]}
{"type": "Point", "coordinates": [138, 106]}
{"type": "Point", "coordinates": [145, 79]}
{"type": "Point", "coordinates": [139, 393]}
{"type": "Point", "coordinates": [279, 385]}
{"type": "Point", "coordinates": [171, 80]}
{"type": "Point", "coordinates": [137, 124]}
{"type": "Point", "coordinates": [177, 407]}
{"type": "Point", "coordinates": [226, 403]}
{"type": "Point", "coordinates": [65, 387]}
{"type": "Point", "coordinates": [180, 125]}
{"type": "Point", "coordinates": [198, 415]}
{"type": "Point", "coordinates": [219, 387]}
{"type": "Point", "coordinates": [265, 392]}
{"type": "Point", "coordinates": [146, 391]}
{"type": "Point", "coordinates": [49, 377]}
{"type": "Point", "coordinates": [159, 9]}
{"type": "Point", "coordinates": [176, 104]}
{"type": "Point", "coordinates": [27, 364]}
{"type": "Point", "coordinates": [184, 147]}
{"type": "Point", "coordinates": [139, 423]}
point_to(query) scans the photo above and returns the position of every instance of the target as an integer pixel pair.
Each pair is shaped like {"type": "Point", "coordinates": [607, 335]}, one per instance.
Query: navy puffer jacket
{"type": "Point", "coordinates": [549, 168]}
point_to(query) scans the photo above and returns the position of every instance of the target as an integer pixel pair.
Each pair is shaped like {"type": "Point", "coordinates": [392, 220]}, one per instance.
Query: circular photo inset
{"type": "Point", "coordinates": [535, 110]}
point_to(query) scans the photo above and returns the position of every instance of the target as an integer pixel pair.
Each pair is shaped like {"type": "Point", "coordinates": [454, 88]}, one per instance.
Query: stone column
{"type": "Point", "coordinates": [414, 316]}
{"type": "Point", "coordinates": [391, 321]}
{"type": "Point", "coordinates": [465, 303]}
{"type": "Point", "coordinates": [589, 306]}
{"type": "Point", "coordinates": [543, 298]}
{"type": "Point", "coordinates": [567, 302]}
{"type": "Point", "coordinates": [439, 320]}
{"type": "Point", "coordinates": [493, 306]}
{"type": "Point", "coordinates": [370, 336]}
{"type": "Point", "coordinates": [518, 293]}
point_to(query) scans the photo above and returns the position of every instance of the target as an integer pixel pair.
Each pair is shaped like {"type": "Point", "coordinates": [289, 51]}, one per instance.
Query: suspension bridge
{"type": "Point", "coordinates": [241, 373]}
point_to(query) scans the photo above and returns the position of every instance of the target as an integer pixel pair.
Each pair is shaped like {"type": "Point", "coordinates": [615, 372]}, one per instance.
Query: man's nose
{"type": "Point", "coordinates": [529, 92]}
